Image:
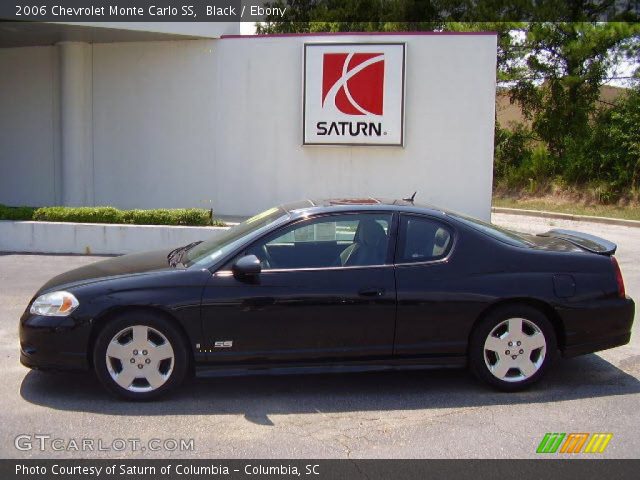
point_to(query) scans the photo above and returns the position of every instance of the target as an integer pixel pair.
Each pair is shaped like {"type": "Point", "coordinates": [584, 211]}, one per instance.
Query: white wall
{"type": "Point", "coordinates": [218, 123]}
{"type": "Point", "coordinates": [449, 121]}
{"type": "Point", "coordinates": [154, 124]}
{"type": "Point", "coordinates": [91, 238]}
{"type": "Point", "coordinates": [29, 149]}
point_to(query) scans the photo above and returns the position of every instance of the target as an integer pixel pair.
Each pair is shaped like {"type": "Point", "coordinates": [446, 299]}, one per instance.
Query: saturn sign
{"type": "Point", "coordinates": [354, 94]}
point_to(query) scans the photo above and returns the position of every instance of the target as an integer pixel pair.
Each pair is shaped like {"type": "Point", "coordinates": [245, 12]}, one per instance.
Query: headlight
{"type": "Point", "coordinates": [54, 304]}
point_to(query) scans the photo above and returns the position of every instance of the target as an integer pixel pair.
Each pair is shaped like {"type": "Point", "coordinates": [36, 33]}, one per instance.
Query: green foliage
{"type": "Point", "coordinates": [16, 213]}
{"type": "Point", "coordinates": [614, 147]}
{"type": "Point", "coordinates": [573, 140]}
{"type": "Point", "coordinates": [565, 66]}
{"type": "Point", "coordinates": [188, 216]}
{"type": "Point", "coordinates": [78, 214]}
{"type": "Point", "coordinates": [512, 149]}
{"type": "Point", "coordinates": [110, 215]}
{"type": "Point", "coordinates": [522, 163]}
{"type": "Point", "coordinates": [604, 161]}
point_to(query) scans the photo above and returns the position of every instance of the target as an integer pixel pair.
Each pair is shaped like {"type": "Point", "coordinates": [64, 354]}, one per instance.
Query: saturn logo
{"type": "Point", "coordinates": [353, 83]}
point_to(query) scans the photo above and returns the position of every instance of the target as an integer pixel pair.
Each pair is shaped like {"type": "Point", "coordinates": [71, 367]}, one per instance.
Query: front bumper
{"type": "Point", "coordinates": [598, 326]}
{"type": "Point", "coordinates": [53, 343]}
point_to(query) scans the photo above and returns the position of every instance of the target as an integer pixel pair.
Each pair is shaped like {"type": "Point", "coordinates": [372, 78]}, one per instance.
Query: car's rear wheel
{"type": "Point", "coordinates": [139, 356]}
{"type": "Point", "coordinates": [512, 347]}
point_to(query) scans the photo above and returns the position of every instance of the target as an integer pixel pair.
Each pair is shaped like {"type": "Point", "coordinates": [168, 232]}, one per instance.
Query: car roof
{"type": "Point", "coordinates": [340, 204]}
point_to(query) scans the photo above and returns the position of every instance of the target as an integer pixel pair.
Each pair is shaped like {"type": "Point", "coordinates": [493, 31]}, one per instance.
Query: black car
{"type": "Point", "coordinates": [334, 285]}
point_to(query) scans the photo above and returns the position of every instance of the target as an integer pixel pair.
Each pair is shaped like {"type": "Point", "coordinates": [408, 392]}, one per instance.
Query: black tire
{"type": "Point", "coordinates": [517, 378]}
{"type": "Point", "coordinates": [175, 370]}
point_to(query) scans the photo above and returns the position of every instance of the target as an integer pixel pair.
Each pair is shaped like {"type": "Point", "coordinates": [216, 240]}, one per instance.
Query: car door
{"type": "Point", "coordinates": [326, 291]}
{"type": "Point", "coordinates": [432, 316]}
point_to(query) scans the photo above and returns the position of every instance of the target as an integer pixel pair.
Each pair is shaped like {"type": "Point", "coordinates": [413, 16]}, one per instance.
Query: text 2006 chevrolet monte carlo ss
{"type": "Point", "coordinates": [337, 284]}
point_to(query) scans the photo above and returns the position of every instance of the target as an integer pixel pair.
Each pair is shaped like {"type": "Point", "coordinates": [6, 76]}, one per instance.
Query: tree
{"type": "Point", "coordinates": [615, 144]}
{"type": "Point", "coordinates": [565, 66]}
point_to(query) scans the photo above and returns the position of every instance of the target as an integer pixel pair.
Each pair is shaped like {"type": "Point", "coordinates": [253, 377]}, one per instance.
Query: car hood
{"type": "Point", "coordinates": [134, 263]}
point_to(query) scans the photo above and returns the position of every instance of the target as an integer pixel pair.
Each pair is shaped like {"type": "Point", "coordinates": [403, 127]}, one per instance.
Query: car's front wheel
{"type": "Point", "coordinates": [139, 356]}
{"type": "Point", "coordinates": [512, 347]}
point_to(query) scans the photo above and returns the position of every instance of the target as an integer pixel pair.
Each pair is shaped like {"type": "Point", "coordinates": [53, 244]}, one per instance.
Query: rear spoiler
{"type": "Point", "coordinates": [586, 241]}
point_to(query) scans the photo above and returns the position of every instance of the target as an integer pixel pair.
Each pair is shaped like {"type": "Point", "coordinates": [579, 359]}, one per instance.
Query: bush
{"type": "Point", "coordinates": [16, 213]}
{"type": "Point", "coordinates": [615, 145]}
{"type": "Point", "coordinates": [78, 214]}
{"type": "Point", "coordinates": [601, 160]}
{"type": "Point", "coordinates": [188, 216]}
{"type": "Point", "coordinates": [522, 162]}
{"type": "Point", "coordinates": [178, 216]}
{"type": "Point", "coordinates": [512, 149]}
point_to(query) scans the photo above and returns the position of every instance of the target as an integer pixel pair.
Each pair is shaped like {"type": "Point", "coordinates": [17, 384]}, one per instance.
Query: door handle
{"type": "Point", "coordinates": [371, 292]}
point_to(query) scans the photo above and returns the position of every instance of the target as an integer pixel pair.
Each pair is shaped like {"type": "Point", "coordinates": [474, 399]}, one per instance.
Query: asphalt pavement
{"type": "Point", "coordinates": [416, 414]}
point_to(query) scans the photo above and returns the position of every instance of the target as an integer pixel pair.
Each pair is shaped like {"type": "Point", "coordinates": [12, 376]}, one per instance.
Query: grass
{"type": "Point", "coordinates": [627, 212]}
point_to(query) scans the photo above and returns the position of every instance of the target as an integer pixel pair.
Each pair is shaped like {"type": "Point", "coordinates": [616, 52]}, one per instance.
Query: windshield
{"type": "Point", "coordinates": [502, 234]}
{"type": "Point", "coordinates": [208, 252]}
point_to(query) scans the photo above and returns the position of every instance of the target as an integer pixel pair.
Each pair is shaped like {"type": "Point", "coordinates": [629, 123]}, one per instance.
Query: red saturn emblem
{"type": "Point", "coordinates": [353, 82]}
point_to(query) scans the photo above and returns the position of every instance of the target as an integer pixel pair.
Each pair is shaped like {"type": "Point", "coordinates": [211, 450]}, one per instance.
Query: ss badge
{"type": "Point", "coordinates": [223, 344]}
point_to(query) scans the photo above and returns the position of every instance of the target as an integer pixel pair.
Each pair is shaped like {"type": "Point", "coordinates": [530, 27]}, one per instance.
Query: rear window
{"type": "Point", "coordinates": [422, 240]}
{"type": "Point", "coordinates": [502, 234]}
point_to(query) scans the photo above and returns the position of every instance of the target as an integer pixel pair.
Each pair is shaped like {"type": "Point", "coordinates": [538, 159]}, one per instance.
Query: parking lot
{"type": "Point", "coordinates": [416, 414]}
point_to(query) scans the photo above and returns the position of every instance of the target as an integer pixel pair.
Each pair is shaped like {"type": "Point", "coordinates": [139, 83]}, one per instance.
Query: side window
{"type": "Point", "coordinates": [422, 239]}
{"type": "Point", "coordinates": [328, 241]}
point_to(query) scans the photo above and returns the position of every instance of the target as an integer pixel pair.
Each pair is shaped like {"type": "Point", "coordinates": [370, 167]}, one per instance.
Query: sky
{"type": "Point", "coordinates": [247, 28]}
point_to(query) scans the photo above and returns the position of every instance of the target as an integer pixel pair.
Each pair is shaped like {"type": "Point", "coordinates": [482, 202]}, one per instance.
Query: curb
{"type": "Point", "coordinates": [96, 238]}
{"type": "Point", "coordinates": [566, 216]}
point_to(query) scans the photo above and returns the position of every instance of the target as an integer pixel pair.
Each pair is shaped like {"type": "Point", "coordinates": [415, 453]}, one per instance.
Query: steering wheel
{"type": "Point", "coordinates": [268, 260]}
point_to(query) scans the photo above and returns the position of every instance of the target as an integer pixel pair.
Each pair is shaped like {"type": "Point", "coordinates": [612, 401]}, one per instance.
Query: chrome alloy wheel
{"type": "Point", "coordinates": [140, 358]}
{"type": "Point", "coordinates": [514, 350]}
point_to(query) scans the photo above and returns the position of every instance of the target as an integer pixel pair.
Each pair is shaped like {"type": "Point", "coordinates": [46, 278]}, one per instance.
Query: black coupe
{"type": "Point", "coordinates": [334, 285]}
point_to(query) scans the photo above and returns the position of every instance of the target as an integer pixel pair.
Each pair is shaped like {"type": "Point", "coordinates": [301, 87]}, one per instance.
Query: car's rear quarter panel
{"type": "Point", "coordinates": [439, 303]}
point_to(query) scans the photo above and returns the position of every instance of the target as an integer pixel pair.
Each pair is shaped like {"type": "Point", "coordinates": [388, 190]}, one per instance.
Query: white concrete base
{"type": "Point", "coordinates": [93, 238]}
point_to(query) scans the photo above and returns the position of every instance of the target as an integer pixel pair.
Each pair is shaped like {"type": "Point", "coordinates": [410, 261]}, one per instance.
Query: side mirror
{"type": "Point", "coordinates": [247, 266]}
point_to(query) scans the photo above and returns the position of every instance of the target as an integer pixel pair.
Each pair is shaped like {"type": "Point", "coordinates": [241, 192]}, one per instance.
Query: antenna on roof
{"type": "Point", "coordinates": [410, 199]}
